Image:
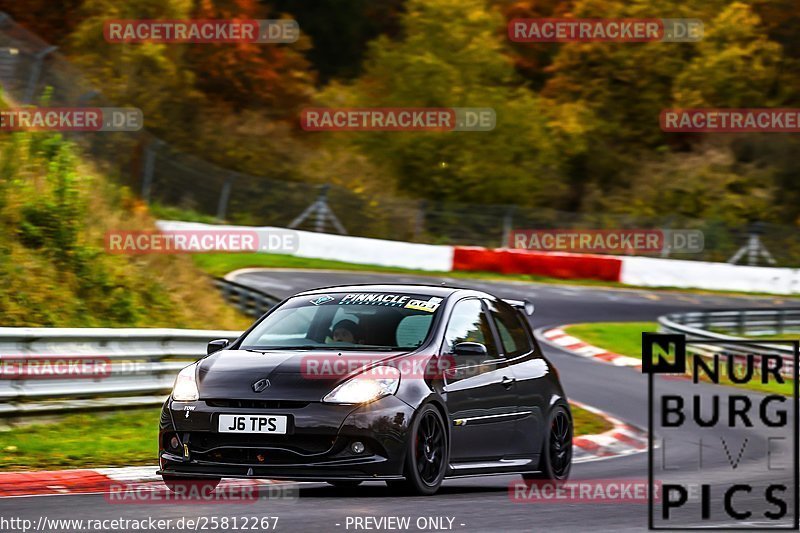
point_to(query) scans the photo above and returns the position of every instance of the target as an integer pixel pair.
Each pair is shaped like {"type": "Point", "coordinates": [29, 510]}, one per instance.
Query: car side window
{"type": "Point", "coordinates": [469, 323]}
{"type": "Point", "coordinates": [512, 332]}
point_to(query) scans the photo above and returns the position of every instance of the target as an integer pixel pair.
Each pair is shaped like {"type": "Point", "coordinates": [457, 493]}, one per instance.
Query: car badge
{"type": "Point", "coordinates": [260, 385]}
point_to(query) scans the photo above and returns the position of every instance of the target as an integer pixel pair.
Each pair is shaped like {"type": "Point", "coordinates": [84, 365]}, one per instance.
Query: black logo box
{"type": "Point", "coordinates": [678, 366]}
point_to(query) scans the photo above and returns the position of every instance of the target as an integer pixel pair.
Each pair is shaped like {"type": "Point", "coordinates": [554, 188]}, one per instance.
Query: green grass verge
{"type": "Point", "coordinates": [221, 264]}
{"type": "Point", "coordinates": [118, 438]}
{"type": "Point", "coordinates": [587, 423]}
{"type": "Point", "coordinates": [625, 338]}
{"type": "Point", "coordinates": [125, 438]}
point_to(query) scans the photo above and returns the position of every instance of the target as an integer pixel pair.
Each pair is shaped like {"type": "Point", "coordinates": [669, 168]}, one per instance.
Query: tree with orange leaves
{"type": "Point", "coordinates": [275, 77]}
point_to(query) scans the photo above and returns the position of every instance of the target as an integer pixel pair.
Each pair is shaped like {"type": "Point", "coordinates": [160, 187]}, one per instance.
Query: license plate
{"type": "Point", "coordinates": [252, 424]}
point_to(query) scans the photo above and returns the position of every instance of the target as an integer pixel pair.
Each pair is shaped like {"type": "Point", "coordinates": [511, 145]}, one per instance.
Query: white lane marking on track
{"type": "Point", "coordinates": [624, 360]}
{"type": "Point", "coordinates": [589, 351]}
{"type": "Point", "coordinates": [566, 340]}
{"type": "Point", "coordinates": [131, 473]}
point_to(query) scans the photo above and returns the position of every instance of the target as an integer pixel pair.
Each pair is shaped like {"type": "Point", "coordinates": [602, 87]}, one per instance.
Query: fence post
{"type": "Point", "coordinates": [322, 212]}
{"type": "Point", "coordinates": [508, 224]}
{"type": "Point", "coordinates": [419, 221]}
{"type": "Point", "coordinates": [319, 223]}
{"type": "Point", "coordinates": [224, 197]}
{"type": "Point", "coordinates": [149, 169]}
{"type": "Point", "coordinates": [36, 71]}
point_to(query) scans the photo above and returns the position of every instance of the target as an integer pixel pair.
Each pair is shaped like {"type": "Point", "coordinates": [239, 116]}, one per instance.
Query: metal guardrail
{"type": "Point", "coordinates": [139, 364]}
{"type": "Point", "coordinates": [142, 364]}
{"type": "Point", "coordinates": [252, 302]}
{"type": "Point", "coordinates": [741, 322]}
{"type": "Point", "coordinates": [718, 325]}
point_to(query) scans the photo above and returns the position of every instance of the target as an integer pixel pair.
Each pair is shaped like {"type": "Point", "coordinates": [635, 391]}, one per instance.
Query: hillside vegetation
{"type": "Point", "coordinates": [54, 212]}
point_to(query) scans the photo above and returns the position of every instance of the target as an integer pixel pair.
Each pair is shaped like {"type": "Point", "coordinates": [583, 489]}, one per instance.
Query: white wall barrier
{"type": "Point", "coordinates": [641, 271]}
{"type": "Point", "coordinates": [651, 272]}
{"type": "Point", "coordinates": [358, 250]}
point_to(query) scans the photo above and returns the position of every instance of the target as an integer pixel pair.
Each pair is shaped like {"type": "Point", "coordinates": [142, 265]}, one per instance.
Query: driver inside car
{"type": "Point", "coordinates": [347, 331]}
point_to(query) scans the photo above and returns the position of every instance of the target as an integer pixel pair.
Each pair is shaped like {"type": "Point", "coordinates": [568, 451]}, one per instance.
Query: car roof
{"type": "Point", "coordinates": [426, 290]}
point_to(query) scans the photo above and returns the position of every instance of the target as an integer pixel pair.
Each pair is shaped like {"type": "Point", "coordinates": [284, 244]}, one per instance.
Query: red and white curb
{"type": "Point", "coordinates": [576, 346]}
{"type": "Point", "coordinates": [621, 439]}
{"type": "Point", "coordinates": [96, 481]}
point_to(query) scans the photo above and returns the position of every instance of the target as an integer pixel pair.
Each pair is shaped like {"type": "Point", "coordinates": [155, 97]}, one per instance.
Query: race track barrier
{"type": "Point", "coordinates": [630, 270]}
{"type": "Point", "coordinates": [142, 365]}
{"type": "Point", "coordinates": [715, 326]}
{"type": "Point", "coordinates": [550, 264]}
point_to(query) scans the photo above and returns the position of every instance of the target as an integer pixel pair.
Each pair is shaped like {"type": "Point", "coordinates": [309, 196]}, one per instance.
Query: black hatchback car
{"type": "Point", "coordinates": [408, 384]}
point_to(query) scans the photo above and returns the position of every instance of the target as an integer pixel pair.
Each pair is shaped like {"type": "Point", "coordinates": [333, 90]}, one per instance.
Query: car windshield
{"type": "Point", "coordinates": [347, 321]}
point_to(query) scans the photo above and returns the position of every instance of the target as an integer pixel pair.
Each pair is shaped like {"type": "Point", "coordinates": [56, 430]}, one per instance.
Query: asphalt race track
{"type": "Point", "coordinates": [480, 504]}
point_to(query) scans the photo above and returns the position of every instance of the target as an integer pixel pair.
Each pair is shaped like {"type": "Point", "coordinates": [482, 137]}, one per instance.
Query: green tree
{"type": "Point", "coordinates": [737, 65]}
{"type": "Point", "coordinates": [341, 30]}
{"type": "Point", "coordinates": [246, 75]}
{"type": "Point", "coordinates": [151, 76]}
{"type": "Point", "coordinates": [453, 55]}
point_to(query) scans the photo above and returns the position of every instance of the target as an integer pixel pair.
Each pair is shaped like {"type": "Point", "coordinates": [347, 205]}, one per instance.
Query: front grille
{"type": "Point", "coordinates": [302, 444]}
{"type": "Point", "coordinates": [257, 404]}
{"type": "Point", "coordinates": [259, 449]}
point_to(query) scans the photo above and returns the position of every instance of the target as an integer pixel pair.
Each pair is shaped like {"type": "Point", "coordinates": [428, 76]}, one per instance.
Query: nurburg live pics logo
{"type": "Point", "coordinates": [726, 457]}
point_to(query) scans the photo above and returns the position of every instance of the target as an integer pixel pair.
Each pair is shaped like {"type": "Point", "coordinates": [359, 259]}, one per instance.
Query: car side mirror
{"type": "Point", "coordinates": [216, 345]}
{"type": "Point", "coordinates": [529, 307]}
{"type": "Point", "coordinates": [470, 348]}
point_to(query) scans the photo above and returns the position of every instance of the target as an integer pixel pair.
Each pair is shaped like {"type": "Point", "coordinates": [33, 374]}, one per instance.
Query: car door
{"type": "Point", "coordinates": [524, 361]}
{"type": "Point", "coordinates": [479, 390]}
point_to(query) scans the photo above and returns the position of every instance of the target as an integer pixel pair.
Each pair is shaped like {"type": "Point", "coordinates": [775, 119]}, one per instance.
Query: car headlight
{"type": "Point", "coordinates": [185, 388]}
{"type": "Point", "coordinates": [368, 386]}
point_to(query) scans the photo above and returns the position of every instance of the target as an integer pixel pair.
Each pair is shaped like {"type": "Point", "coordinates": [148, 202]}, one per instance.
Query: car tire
{"type": "Point", "coordinates": [427, 455]}
{"type": "Point", "coordinates": [345, 483]}
{"type": "Point", "coordinates": [555, 460]}
{"type": "Point", "coordinates": [181, 484]}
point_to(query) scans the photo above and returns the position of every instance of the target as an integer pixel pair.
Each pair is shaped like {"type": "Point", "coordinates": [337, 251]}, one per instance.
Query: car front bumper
{"type": "Point", "coordinates": [317, 445]}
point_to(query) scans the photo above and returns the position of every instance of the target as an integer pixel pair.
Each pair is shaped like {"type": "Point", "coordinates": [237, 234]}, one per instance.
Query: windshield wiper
{"type": "Point", "coordinates": [273, 348]}
{"type": "Point", "coordinates": [331, 348]}
{"type": "Point", "coordinates": [369, 348]}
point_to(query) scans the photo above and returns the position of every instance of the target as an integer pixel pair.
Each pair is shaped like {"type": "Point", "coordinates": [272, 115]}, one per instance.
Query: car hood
{"type": "Point", "coordinates": [293, 375]}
